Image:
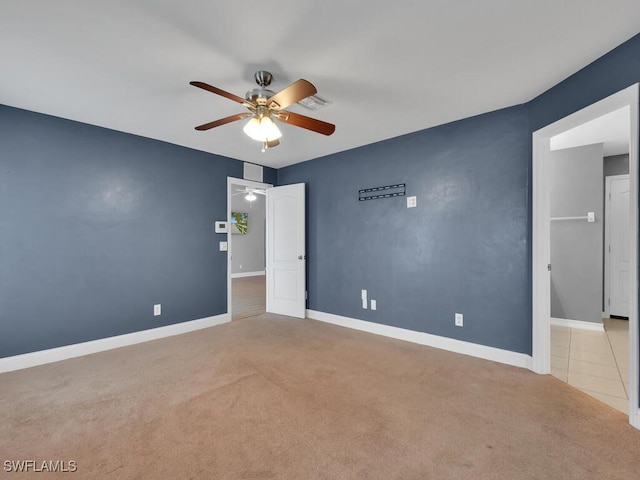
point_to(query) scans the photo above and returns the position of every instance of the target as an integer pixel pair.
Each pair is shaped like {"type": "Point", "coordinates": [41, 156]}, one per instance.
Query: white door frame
{"type": "Point", "coordinates": [607, 237]}
{"type": "Point", "coordinates": [231, 181]}
{"type": "Point", "coordinates": [541, 348]}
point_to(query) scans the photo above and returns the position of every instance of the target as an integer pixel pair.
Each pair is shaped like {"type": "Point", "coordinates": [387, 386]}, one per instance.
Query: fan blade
{"type": "Point", "coordinates": [222, 121]}
{"type": "Point", "coordinates": [293, 93]}
{"type": "Point", "coordinates": [271, 144]}
{"type": "Point", "coordinates": [216, 90]}
{"type": "Point", "coordinates": [306, 122]}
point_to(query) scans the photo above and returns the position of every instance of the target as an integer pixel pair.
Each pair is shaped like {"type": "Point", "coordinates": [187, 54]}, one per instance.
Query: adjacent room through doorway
{"type": "Point", "coordinates": [584, 236]}
{"type": "Point", "coordinates": [246, 238]}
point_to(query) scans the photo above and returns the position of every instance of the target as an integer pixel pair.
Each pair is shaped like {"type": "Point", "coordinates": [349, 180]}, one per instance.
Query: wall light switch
{"type": "Point", "coordinates": [591, 217]}
{"type": "Point", "coordinates": [157, 309]}
{"type": "Point", "coordinates": [364, 299]}
{"type": "Point", "coordinates": [373, 305]}
{"type": "Point", "coordinates": [412, 202]}
{"type": "Point", "coordinates": [223, 246]}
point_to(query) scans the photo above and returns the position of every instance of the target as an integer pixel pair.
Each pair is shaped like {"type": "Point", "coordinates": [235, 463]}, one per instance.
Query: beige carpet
{"type": "Point", "coordinates": [270, 397]}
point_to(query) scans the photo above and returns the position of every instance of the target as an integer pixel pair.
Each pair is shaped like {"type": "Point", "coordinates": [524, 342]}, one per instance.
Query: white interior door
{"type": "Point", "coordinates": [286, 256]}
{"type": "Point", "coordinates": [618, 248]}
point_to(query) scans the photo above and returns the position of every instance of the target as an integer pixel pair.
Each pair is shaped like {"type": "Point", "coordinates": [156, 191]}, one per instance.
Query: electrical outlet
{"type": "Point", "coordinates": [412, 202]}
{"type": "Point", "coordinates": [157, 309]}
{"type": "Point", "coordinates": [374, 305]}
{"type": "Point", "coordinates": [459, 320]}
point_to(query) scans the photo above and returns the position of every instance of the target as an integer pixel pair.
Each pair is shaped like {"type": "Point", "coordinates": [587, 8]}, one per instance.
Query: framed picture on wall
{"type": "Point", "coordinates": [239, 222]}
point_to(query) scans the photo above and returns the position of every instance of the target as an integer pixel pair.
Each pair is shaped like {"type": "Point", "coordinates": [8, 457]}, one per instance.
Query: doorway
{"type": "Point", "coordinates": [280, 249]}
{"type": "Point", "coordinates": [541, 264]}
{"type": "Point", "coordinates": [246, 211]}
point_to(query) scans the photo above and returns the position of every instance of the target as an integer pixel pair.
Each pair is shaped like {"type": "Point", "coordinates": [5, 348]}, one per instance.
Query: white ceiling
{"type": "Point", "coordinates": [390, 68]}
{"type": "Point", "coordinates": [613, 130]}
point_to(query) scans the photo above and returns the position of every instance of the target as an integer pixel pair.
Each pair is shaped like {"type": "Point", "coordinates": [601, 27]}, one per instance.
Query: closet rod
{"type": "Point", "coordinates": [589, 217]}
{"type": "Point", "coordinates": [569, 218]}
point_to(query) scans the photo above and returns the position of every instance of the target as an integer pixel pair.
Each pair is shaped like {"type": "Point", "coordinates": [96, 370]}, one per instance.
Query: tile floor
{"type": "Point", "coordinates": [595, 362]}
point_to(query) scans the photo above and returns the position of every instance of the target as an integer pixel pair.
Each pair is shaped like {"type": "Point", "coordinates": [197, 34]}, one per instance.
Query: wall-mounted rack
{"type": "Point", "coordinates": [388, 191]}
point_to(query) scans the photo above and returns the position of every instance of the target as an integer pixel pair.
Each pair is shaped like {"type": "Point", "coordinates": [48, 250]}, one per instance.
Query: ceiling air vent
{"type": "Point", "coordinates": [314, 102]}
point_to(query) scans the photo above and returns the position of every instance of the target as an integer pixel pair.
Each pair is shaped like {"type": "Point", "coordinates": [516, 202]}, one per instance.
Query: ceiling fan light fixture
{"type": "Point", "coordinates": [250, 197]}
{"type": "Point", "coordinates": [262, 129]}
{"type": "Point", "coordinates": [270, 129]}
{"type": "Point", "coordinates": [252, 129]}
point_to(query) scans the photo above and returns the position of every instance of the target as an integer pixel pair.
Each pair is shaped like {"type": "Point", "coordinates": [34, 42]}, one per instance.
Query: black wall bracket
{"type": "Point", "coordinates": [388, 191]}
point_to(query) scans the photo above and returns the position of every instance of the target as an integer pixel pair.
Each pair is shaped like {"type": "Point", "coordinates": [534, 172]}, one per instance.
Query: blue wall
{"type": "Point", "coordinates": [465, 248]}
{"type": "Point", "coordinates": [611, 73]}
{"type": "Point", "coordinates": [97, 226]}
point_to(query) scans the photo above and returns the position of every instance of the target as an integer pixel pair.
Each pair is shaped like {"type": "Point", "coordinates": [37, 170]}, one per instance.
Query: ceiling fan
{"type": "Point", "coordinates": [250, 193]}
{"type": "Point", "coordinates": [265, 105]}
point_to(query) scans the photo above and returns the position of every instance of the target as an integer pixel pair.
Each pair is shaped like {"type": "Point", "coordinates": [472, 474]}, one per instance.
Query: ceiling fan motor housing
{"type": "Point", "coordinates": [263, 78]}
{"type": "Point", "coordinates": [262, 94]}
{"type": "Point", "coordinates": [259, 95]}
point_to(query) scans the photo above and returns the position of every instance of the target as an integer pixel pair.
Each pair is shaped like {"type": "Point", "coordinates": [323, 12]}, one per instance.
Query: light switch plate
{"type": "Point", "coordinates": [412, 201]}
{"type": "Point", "coordinates": [223, 246]}
{"type": "Point", "coordinates": [157, 309]}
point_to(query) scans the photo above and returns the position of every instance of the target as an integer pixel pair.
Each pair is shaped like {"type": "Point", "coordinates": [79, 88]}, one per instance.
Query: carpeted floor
{"type": "Point", "coordinates": [271, 397]}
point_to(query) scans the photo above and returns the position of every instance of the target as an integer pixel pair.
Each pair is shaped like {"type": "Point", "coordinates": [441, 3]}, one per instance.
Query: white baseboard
{"type": "Point", "coordinates": [565, 322]}
{"type": "Point", "coordinates": [247, 274]}
{"type": "Point", "coordinates": [457, 346]}
{"type": "Point", "coordinates": [27, 360]}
